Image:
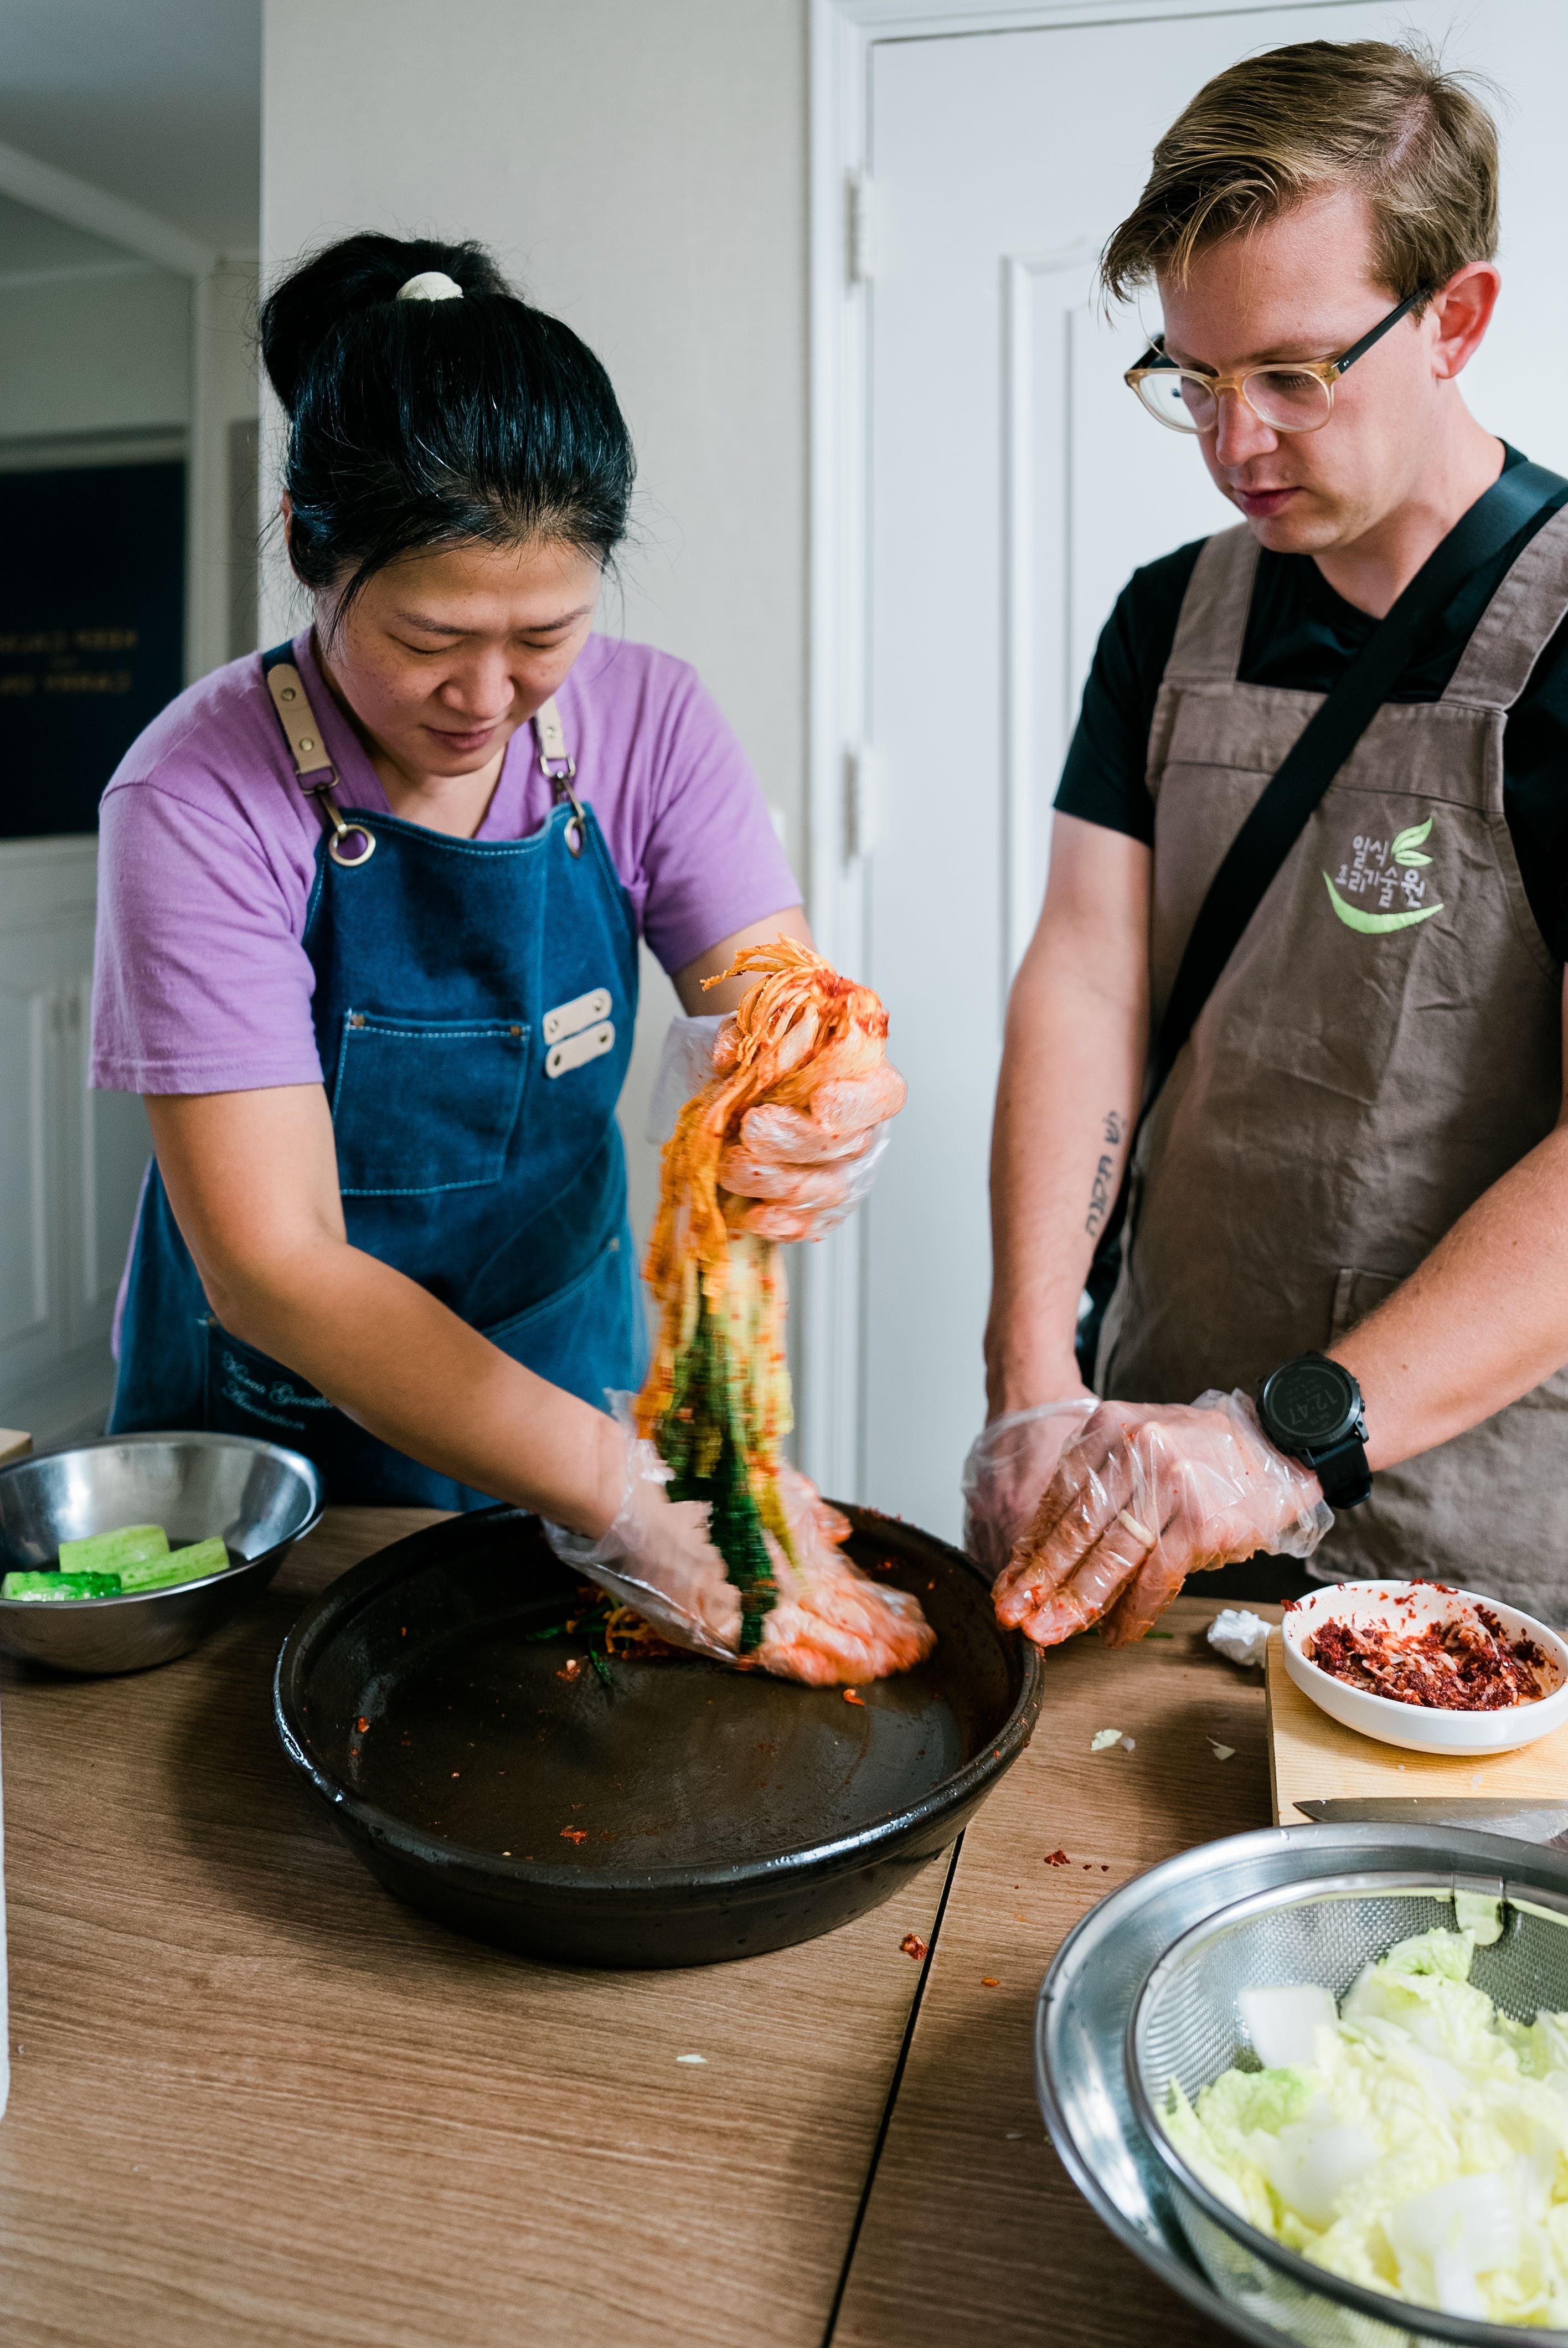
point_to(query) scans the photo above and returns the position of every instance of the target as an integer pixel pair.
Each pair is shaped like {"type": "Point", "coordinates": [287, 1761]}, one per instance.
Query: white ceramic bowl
{"type": "Point", "coordinates": [1402, 1606]}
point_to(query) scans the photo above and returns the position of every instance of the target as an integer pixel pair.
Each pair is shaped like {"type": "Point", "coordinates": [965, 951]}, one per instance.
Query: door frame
{"type": "Point", "coordinates": [840, 769]}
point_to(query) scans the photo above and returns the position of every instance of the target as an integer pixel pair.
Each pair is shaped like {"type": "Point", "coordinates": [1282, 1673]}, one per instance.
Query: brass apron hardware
{"type": "Point", "coordinates": [550, 735]}
{"type": "Point", "coordinates": [313, 770]}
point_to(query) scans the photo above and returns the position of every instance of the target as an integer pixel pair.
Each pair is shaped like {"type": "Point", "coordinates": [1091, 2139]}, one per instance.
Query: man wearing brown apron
{"type": "Point", "coordinates": [1347, 1222]}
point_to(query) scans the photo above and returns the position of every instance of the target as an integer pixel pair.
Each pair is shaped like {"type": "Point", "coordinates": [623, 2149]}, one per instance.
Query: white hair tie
{"type": "Point", "coordinates": [430, 285]}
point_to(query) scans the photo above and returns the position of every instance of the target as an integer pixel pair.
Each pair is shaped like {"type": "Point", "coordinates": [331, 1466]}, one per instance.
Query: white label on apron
{"type": "Point", "coordinates": [567, 1017]}
{"type": "Point", "coordinates": [561, 1058]}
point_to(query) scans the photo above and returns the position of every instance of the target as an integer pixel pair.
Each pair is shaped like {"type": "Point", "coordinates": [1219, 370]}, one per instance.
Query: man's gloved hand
{"type": "Point", "coordinates": [803, 1173]}
{"type": "Point", "coordinates": [1011, 1460]}
{"type": "Point", "coordinates": [1142, 1497]}
{"type": "Point", "coordinates": [656, 1558]}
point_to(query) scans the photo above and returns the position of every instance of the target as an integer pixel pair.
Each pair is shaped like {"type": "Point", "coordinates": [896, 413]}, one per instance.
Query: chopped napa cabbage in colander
{"type": "Point", "coordinates": [1417, 2144]}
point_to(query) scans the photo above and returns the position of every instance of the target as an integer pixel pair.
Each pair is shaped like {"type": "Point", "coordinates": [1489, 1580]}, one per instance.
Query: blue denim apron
{"type": "Point", "coordinates": [473, 1008]}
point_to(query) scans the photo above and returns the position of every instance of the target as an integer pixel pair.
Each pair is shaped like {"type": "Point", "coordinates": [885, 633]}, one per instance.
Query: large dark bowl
{"type": "Point", "coordinates": [681, 1814]}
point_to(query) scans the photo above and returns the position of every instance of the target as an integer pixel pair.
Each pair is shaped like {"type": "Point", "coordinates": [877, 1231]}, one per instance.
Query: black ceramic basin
{"type": "Point", "coordinates": [681, 1815]}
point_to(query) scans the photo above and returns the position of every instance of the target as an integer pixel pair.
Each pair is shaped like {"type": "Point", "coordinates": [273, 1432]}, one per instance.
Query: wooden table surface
{"type": "Point", "coordinates": [973, 2232]}
{"type": "Point", "coordinates": [255, 2101]}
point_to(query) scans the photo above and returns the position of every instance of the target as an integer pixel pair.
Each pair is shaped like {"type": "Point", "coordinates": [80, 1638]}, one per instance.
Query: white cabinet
{"type": "Point", "coordinates": [71, 1160]}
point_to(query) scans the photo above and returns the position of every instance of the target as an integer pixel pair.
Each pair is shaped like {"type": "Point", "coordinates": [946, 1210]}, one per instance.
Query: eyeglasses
{"type": "Point", "coordinates": [1297, 396]}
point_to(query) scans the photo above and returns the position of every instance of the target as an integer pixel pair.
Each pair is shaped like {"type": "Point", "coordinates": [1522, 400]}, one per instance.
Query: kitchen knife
{"type": "Point", "coordinates": [1539, 1822]}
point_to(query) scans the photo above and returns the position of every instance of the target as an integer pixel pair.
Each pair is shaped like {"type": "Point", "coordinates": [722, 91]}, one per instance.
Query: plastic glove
{"type": "Point", "coordinates": [1011, 1460]}
{"type": "Point", "coordinates": [658, 1558]}
{"type": "Point", "coordinates": [685, 1065]}
{"type": "Point", "coordinates": [831, 1624]}
{"type": "Point", "coordinates": [1142, 1497]}
{"type": "Point", "coordinates": [806, 1173]}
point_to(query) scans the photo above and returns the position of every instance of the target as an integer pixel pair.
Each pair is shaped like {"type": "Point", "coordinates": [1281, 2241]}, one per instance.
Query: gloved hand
{"type": "Point", "coordinates": [1010, 1462]}
{"type": "Point", "coordinates": [656, 1558]}
{"type": "Point", "coordinates": [804, 1173]}
{"type": "Point", "coordinates": [808, 1172]}
{"type": "Point", "coordinates": [1144, 1497]}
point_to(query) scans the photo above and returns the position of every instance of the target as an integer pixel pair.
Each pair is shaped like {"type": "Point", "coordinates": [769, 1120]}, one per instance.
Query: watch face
{"type": "Point", "coordinates": [1311, 1402]}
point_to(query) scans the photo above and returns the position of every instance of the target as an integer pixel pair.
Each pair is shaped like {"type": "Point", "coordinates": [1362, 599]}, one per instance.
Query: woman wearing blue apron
{"type": "Point", "coordinates": [370, 909]}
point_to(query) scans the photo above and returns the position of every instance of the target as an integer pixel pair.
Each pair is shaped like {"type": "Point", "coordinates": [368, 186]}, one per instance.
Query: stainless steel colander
{"type": "Point", "coordinates": [1184, 2026]}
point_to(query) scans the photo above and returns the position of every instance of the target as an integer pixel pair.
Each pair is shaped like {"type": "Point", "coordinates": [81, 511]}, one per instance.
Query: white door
{"type": "Point", "coordinates": [71, 1160]}
{"type": "Point", "coordinates": [1012, 485]}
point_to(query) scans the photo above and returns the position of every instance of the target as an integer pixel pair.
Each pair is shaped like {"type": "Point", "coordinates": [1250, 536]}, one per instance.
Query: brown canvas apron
{"type": "Point", "coordinates": [1385, 1043]}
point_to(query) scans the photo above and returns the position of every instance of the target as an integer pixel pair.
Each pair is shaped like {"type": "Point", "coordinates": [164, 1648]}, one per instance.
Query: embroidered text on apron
{"type": "Point", "coordinates": [473, 1008]}
{"type": "Point", "coordinates": [1384, 1043]}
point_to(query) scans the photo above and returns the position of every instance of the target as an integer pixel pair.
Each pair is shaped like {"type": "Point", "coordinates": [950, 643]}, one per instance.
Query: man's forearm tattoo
{"type": "Point", "coordinates": [1103, 1194]}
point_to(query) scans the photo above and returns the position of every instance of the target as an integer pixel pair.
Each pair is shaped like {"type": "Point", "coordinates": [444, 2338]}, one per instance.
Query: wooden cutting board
{"type": "Point", "coordinates": [1312, 1758]}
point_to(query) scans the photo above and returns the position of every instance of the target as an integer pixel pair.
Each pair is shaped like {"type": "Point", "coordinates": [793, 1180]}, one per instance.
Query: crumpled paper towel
{"type": "Point", "coordinates": [1239, 1635]}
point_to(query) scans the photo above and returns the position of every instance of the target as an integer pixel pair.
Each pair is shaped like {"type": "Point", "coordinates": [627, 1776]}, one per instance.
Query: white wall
{"type": "Point", "coordinates": [222, 365]}
{"type": "Point", "coordinates": [103, 350]}
{"type": "Point", "coordinates": [641, 167]}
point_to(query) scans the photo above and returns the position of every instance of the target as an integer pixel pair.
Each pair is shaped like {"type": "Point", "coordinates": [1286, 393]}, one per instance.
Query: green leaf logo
{"type": "Point", "coordinates": [1378, 925]}
{"type": "Point", "coordinates": [1406, 843]}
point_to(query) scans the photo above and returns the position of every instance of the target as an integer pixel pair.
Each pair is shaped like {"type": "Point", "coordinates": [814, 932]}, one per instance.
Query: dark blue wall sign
{"type": "Point", "coordinates": [92, 626]}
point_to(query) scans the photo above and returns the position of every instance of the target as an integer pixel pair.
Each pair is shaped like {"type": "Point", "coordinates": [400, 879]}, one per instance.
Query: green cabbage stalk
{"type": "Point", "coordinates": [1416, 2145]}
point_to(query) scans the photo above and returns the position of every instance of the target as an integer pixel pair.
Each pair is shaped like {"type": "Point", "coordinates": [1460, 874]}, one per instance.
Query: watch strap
{"type": "Point", "coordinates": [1343, 1472]}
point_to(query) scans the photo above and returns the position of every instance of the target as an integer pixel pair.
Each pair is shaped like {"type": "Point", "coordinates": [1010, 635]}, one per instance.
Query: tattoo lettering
{"type": "Point", "coordinates": [1103, 1193]}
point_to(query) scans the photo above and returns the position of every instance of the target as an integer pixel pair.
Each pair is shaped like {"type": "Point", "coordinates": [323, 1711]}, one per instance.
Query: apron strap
{"type": "Point", "coordinates": [1211, 628]}
{"type": "Point", "coordinates": [313, 768]}
{"type": "Point", "coordinates": [1518, 623]}
{"type": "Point", "coordinates": [559, 770]}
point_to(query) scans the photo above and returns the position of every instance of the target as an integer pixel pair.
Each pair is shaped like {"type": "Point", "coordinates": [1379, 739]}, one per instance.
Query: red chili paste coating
{"type": "Point", "coordinates": [1467, 1663]}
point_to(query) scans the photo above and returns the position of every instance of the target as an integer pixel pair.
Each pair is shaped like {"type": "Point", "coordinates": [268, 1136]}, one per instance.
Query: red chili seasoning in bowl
{"type": "Point", "coordinates": [1464, 1664]}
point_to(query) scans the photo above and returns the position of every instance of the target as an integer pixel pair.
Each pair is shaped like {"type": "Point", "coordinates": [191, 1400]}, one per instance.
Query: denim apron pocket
{"type": "Point", "coordinates": [423, 1105]}
{"type": "Point", "coordinates": [588, 1337]}
{"type": "Point", "coordinates": [597, 1319]}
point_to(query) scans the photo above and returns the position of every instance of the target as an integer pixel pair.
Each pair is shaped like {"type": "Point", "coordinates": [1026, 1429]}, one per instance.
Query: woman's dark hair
{"type": "Point", "coordinates": [420, 424]}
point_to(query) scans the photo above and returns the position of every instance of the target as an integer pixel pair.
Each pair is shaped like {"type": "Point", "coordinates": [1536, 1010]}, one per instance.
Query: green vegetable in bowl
{"type": "Point", "coordinates": [111, 1552]}
{"type": "Point", "coordinates": [1416, 2142]}
{"type": "Point", "coordinates": [36, 1586]}
{"type": "Point", "coordinates": [180, 1565]}
{"type": "Point", "coordinates": [144, 1561]}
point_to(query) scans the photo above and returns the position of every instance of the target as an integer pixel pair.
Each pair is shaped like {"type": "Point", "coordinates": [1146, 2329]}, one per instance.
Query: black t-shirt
{"type": "Point", "coordinates": [1300, 634]}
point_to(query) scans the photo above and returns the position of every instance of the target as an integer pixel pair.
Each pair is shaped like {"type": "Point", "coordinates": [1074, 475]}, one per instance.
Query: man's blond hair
{"type": "Point", "coordinates": [1384, 119]}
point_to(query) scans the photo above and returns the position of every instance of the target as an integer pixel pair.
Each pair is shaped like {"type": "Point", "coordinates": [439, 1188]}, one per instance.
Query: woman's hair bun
{"type": "Point", "coordinates": [436, 423]}
{"type": "Point", "coordinates": [302, 316]}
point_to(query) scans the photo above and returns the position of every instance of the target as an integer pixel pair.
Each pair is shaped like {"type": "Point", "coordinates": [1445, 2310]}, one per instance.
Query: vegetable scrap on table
{"type": "Point", "coordinates": [122, 1563]}
{"type": "Point", "coordinates": [1414, 2141]}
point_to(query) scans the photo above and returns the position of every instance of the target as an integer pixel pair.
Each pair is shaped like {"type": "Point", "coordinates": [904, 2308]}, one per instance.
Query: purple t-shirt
{"type": "Point", "coordinates": [208, 855]}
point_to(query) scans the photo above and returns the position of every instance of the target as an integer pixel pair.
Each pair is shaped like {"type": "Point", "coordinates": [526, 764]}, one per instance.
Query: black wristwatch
{"type": "Point", "coordinates": [1311, 1407]}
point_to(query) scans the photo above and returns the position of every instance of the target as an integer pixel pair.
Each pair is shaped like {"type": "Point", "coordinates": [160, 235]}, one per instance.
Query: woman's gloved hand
{"type": "Point", "coordinates": [1142, 1497]}
{"type": "Point", "coordinates": [658, 1558]}
{"type": "Point", "coordinates": [799, 1174]}
{"type": "Point", "coordinates": [1011, 1460]}
{"type": "Point", "coordinates": [808, 1172]}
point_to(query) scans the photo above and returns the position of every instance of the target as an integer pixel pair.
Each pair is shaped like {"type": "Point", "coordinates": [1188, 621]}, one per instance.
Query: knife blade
{"type": "Point", "coordinates": [1545, 1823]}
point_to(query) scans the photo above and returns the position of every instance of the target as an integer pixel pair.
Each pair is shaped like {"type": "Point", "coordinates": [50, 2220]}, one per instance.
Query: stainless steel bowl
{"type": "Point", "coordinates": [259, 1498]}
{"type": "Point", "coordinates": [1082, 2058]}
{"type": "Point", "coordinates": [1186, 2026]}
